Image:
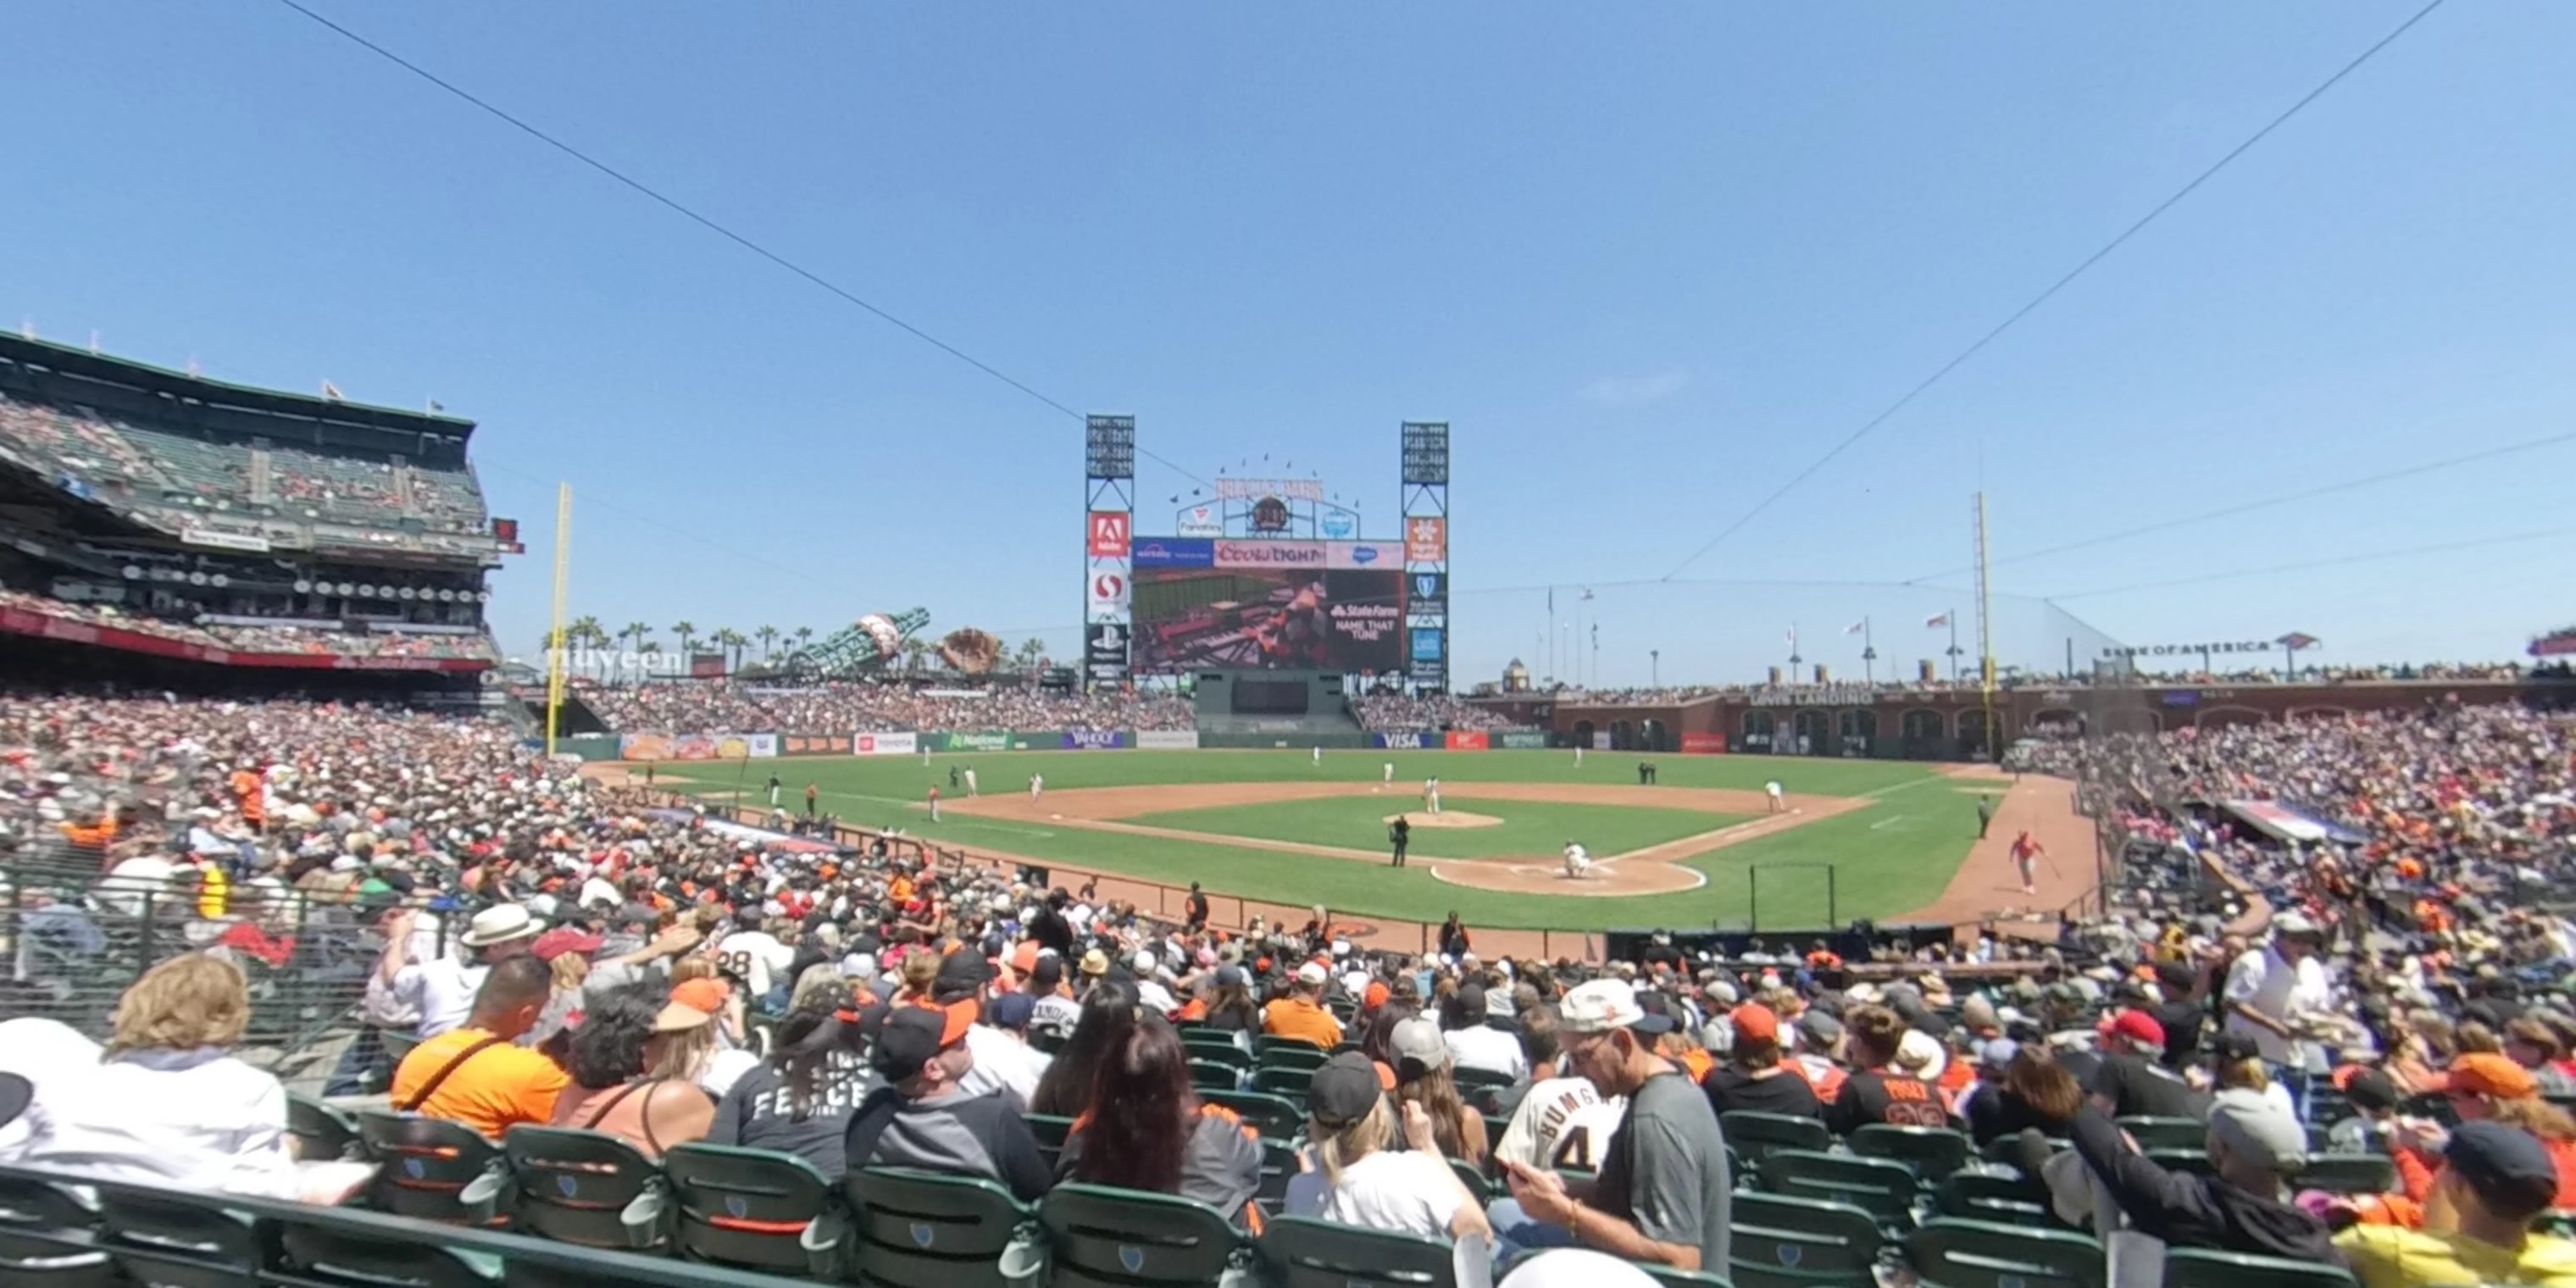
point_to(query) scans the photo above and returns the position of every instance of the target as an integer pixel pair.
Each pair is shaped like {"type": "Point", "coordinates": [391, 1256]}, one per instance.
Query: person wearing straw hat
{"type": "Point", "coordinates": [442, 991]}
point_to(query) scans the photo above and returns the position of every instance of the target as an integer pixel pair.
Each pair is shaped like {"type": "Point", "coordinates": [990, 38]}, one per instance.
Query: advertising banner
{"type": "Point", "coordinates": [1405, 741]}
{"type": "Point", "coordinates": [1601, 740]}
{"type": "Point", "coordinates": [980, 740]}
{"type": "Point", "coordinates": [759, 746]}
{"type": "Point", "coordinates": [1430, 675]}
{"type": "Point", "coordinates": [1703, 744]}
{"type": "Point", "coordinates": [1271, 554]}
{"type": "Point", "coordinates": [1427, 592]}
{"type": "Point", "coordinates": [1104, 653]}
{"type": "Point", "coordinates": [1109, 530]}
{"type": "Point", "coordinates": [1469, 742]}
{"type": "Point", "coordinates": [696, 746]}
{"type": "Point", "coordinates": [1338, 524]}
{"type": "Point", "coordinates": [1361, 554]}
{"type": "Point", "coordinates": [1107, 592]}
{"type": "Point", "coordinates": [814, 744]}
{"type": "Point", "coordinates": [1426, 540]}
{"type": "Point", "coordinates": [1521, 740]}
{"type": "Point", "coordinates": [1095, 739]}
{"type": "Point", "coordinates": [885, 744]}
{"type": "Point", "coordinates": [1347, 620]}
{"type": "Point", "coordinates": [1196, 521]}
{"type": "Point", "coordinates": [1168, 739]}
{"type": "Point", "coordinates": [1167, 552]}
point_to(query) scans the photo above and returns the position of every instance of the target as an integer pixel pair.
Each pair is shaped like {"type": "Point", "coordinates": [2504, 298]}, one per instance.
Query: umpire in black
{"type": "Point", "coordinates": [1399, 834]}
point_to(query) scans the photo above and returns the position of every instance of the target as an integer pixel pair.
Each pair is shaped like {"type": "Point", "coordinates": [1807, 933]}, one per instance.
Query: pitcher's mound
{"type": "Point", "coordinates": [1447, 818]}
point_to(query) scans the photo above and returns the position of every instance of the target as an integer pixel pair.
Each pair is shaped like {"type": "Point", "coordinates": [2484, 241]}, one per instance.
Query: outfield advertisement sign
{"type": "Point", "coordinates": [1469, 742]}
{"type": "Point", "coordinates": [1402, 741]}
{"type": "Point", "coordinates": [1095, 739]}
{"type": "Point", "coordinates": [987, 740]}
{"type": "Point", "coordinates": [1703, 744]}
{"type": "Point", "coordinates": [697, 746]}
{"type": "Point", "coordinates": [885, 744]}
{"type": "Point", "coordinates": [814, 744]}
{"type": "Point", "coordinates": [1167, 739]}
{"type": "Point", "coordinates": [1521, 740]}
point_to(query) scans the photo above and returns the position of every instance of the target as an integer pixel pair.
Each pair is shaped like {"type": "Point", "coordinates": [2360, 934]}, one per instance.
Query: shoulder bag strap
{"type": "Point", "coordinates": [421, 1097]}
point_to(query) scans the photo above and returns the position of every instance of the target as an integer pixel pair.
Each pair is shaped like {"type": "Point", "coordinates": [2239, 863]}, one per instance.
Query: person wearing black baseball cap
{"type": "Point", "coordinates": [1360, 1177]}
{"type": "Point", "coordinates": [924, 1117]}
{"type": "Point", "coordinates": [2495, 1179]}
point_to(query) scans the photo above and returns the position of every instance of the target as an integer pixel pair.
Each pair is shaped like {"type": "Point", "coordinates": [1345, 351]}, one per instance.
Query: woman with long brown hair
{"type": "Point", "coordinates": [1146, 1129]}
{"type": "Point", "coordinates": [1422, 1077]}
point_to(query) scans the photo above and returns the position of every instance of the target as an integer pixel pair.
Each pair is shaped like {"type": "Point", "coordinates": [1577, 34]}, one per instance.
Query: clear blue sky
{"type": "Point", "coordinates": [1649, 260]}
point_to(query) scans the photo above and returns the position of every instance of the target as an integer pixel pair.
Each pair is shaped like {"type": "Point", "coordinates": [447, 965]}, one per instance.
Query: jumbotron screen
{"type": "Point", "coordinates": [1250, 604]}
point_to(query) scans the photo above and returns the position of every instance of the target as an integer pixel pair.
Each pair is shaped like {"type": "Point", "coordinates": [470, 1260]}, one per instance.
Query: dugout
{"type": "Point", "coordinates": [1275, 709]}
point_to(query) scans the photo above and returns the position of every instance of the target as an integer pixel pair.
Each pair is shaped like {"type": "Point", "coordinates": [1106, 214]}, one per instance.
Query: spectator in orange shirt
{"type": "Point", "coordinates": [1301, 1014]}
{"type": "Point", "coordinates": [476, 1074]}
{"type": "Point", "coordinates": [2487, 1087]}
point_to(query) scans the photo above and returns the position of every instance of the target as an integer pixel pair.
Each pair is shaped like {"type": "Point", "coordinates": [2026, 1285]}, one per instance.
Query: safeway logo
{"type": "Point", "coordinates": [1110, 533]}
{"type": "Point", "coordinates": [1108, 588]}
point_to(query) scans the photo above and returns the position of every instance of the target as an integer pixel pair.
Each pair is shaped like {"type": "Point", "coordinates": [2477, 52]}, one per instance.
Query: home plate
{"type": "Point", "coordinates": [1057, 817]}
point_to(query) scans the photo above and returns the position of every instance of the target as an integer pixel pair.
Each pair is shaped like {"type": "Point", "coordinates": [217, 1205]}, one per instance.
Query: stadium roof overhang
{"type": "Point", "coordinates": [80, 366]}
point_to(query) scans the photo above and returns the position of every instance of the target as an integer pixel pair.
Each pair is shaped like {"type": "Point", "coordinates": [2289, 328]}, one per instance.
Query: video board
{"type": "Point", "coordinates": [1260, 604]}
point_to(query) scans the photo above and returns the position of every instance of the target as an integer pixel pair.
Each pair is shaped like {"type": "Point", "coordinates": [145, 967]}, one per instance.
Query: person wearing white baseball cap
{"type": "Point", "coordinates": [2273, 993]}
{"type": "Point", "coordinates": [1301, 1014]}
{"type": "Point", "coordinates": [1661, 1193]}
{"type": "Point", "coordinates": [442, 991]}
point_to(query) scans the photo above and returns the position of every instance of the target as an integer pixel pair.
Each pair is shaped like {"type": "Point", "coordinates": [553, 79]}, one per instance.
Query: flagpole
{"type": "Point", "coordinates": [1952, 617]}
{"type": "Point", "coordinates": [1868, 654]}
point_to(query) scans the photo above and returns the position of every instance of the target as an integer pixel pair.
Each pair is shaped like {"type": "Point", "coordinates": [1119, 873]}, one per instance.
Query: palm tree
{"type": "Point", "coordinates": [914, 650]}
{"type": "Point", "coordinates": [1032, 651]}
{"type": "Point", "coordinates": [586, 630]}
{"type": "Point", "coordinates": [729, 639]}
{"type": "Point", "coordinates": [636, 635]}
{"type": "Point", "coordinates": [767, 635]}
{"type": "Point", "coordinates": [688, 633]}
{"type": "Point", "coordinates": [803, 633]}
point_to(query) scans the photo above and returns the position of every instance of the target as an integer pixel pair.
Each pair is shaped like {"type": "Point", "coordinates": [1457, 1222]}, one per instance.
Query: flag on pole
{"type": "Point", "coordinates": [1856, 627]}
{"type": "Point", "coordinates": [1587, 592]}
{"type": "Point", "coordinates": [1551, 601]}
{"type": "Point", "coordinates": [1793, 637]}
{"type": "Point", "coordinates": [1936, 621]}
{"type": "Point", "coordinates": [330, 391]}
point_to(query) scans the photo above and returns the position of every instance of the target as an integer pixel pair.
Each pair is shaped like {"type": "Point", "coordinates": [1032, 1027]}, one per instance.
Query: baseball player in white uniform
{"type": "Point", "coordinates": [1578, 861]}
{"type": "Point", "coordinates": [1772, 790]}
{"type": "Point", "coordinates": [1389, 780]}
{"type": "Point", "coordinates": [1037, 787]}
{"type": "Point", "coordinates": [971, 788]}
{"type": "Point", "coordinates": [1431, 794]}
{"type": "Point", "coordinates": [1578, 757]}
{"type": "Point", "coordinates": [1319, 757]}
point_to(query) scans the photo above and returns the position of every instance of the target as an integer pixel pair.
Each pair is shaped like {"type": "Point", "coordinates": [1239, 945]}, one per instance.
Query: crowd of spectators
{"type": "Point", "coordinates": [2391, 1005]}
{"type": "Point", "coordinates": [843, 706]}
{"type": "Point", "coordinates": [264, 638]}
{"type": "Point", "coordinates": [1394, 711]}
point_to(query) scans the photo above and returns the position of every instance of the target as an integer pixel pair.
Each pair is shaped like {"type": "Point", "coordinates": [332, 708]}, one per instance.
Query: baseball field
{"type": "Point", "coordinates": [1278, 827]}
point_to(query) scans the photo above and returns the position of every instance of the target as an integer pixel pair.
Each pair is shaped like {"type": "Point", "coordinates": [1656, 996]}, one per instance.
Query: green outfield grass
{"type": "Point", "coordinates": [1528, 828]}
{"type": "Point", "coordinates": [1891, 857]}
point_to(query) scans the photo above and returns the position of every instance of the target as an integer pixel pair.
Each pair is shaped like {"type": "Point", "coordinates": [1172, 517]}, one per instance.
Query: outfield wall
{"type": "Point", "coordinates": [763, 746]}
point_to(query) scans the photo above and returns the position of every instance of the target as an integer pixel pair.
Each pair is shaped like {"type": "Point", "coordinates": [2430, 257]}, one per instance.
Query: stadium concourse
{"type": "Point", "coordinates": [2329, 953]}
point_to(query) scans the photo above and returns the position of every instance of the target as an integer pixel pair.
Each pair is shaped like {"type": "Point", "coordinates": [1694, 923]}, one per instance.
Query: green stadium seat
{"type": "Point", "coordinates": [1480, 1078]}
{"type": "Point", "coordinates": [1275, 1117]}
{"type": "Point", "coordinates": [1754, 1135]}
{"type": "Point", "coordinates": [2349, 1174]}
{"type": "Point", "coordinates": [586, 1187]}
{"type": "Point", "coordinates": [1933, 1152]}
{"type": "Point", "coordinates": [2208, 1268]}
{"type": "Point", "coordinates": [321, 1132]}
{"type": "Point", "coordinates": [167, 1242]}
{"type": "Point", "coordinates": [1982, 1196]}
{"type": "Point", "coordinates": [1210, 1075]}
{"type": "Point", "coordinates": [1279, 1165]}
{"type": "Point", "coordinates": [1303, 1058]}
{"type": "Point", "coordinates": [1051, 1129]}
{"type": "Point", "coordinates": [925, 1230]}
{"type": "Point", "coordinates": [1224, 1053]}
{"type": "Point", "coordinates": [1264, 1043]}
{"type": "Point", "coordinates": [1304, 1252]}
{"type": "Point", "coordinates": [1495, 1126]}
{"type": "Point", "coordinates": [1111, 1238]}
{"type": "Point", "coordinates": [435, 1170]}
{"type": "Point", "coordinates": [1478, 1188]}
{"type": "Point", "coordinates": [49, 1239]}
{"type": "Point", "coordinates": [755, 1209]}
{"type": "Point", "coordinates": [1878, 1186]}
{"type": "Point", "coordinates": [2166, 1133]}
{"type": "Point", "coordinates": [316, 1253]}
{"type": "Point", "coordinates": [1785, 1242]}
{"type": "Point", "coordinates": [1948, 1252]}
{"type": "Point", "coordinates": [1670, 1277]}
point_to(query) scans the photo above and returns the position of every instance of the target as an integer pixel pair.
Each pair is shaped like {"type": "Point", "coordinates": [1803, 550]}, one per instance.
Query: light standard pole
{"type": "Point", "coordinates": [1655, 661]}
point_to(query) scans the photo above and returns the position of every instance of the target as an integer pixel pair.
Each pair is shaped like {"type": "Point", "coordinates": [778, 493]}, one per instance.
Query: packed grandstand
{"type": "Point", "coordinates": [291, 940]}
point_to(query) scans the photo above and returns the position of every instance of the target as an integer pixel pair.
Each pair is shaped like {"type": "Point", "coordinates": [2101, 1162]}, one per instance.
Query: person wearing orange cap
{"type": "Point", "coordinates": [2484, 1086]}
{"type": "Point", "coordinates": [1754, 1077]}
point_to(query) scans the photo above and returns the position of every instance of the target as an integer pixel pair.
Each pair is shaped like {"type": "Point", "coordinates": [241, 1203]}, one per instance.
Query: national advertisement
{"type": "Point", "coordinates": [1703, 744]}
{"type": "Point", "coordinates": [1404, 741]}
{"type": "Point", "coordinates": [1521, 740]}
{"type": "Point", "coordinates": [885, 744]}
{"type": "Point", "coordinates": [1095, 739]}
{"type": "Point", "coordinates": [1469, 742]}
{"type": "Point", "coordinates": [1168, 739]}
{"type": "Point", "coordinates": [989, 740]}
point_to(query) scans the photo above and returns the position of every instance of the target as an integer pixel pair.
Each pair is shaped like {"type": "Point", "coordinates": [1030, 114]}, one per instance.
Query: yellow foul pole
{"type": "Point", "coordinates": [555, 641]}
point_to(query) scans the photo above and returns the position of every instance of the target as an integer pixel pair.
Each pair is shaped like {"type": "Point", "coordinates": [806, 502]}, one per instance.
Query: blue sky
{"type": "Point", "coordinates": [1648, 260]}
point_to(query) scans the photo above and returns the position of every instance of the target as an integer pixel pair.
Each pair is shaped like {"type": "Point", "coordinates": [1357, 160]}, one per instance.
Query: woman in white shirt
{"type": "Point", "coordinates": [1359, 1180]}
{"type": "Point", "coordinates": [167, 1103]}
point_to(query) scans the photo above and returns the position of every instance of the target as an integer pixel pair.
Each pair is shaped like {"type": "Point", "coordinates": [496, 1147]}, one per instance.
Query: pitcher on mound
{"type": "Point", "coordinates": [1578, 861]}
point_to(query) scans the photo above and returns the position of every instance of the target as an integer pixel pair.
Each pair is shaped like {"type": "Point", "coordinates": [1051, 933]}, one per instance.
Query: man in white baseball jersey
{"type": "Point", "coordinates": [1431, 794]}
{"type": "Point", "coordinates": [1389, 780]}
{"type": "Point", "coordinates": [1578, 757]}
{"type": "Point", "coordinates": [1319, 757]}
{"type": "Point", "coordinates": [1037, 787]}
{"type": "Point", "coordinates": [1772, 790]}
{"type": "Point", "coordinates": [971, 788]}
{"type": "Point", "coordinates": [1578, 861]}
